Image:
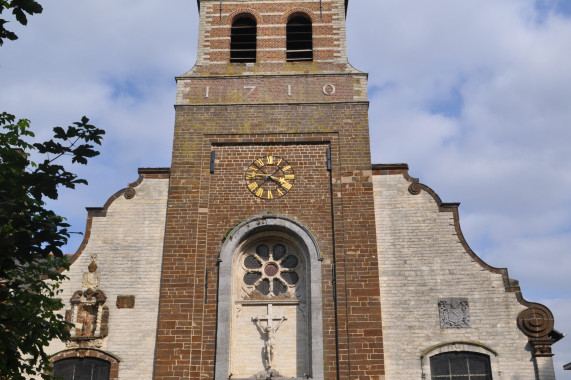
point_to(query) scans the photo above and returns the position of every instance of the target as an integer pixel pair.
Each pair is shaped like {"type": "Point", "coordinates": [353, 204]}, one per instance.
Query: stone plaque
{"type": "Point", "coordinates": [125, 302]}
{"type": "Point", "coordinates": [454, 312]}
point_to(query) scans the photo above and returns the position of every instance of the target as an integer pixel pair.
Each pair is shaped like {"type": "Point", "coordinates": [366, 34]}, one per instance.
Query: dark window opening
{"type": "Point", "coordinates": [243, 40]}
{"type": "Point", "coordinates": [82, 369]}
{"type": "Point", "coordinates": [299, 46]}
{"type": "Point", "coordinates": [460, 366]}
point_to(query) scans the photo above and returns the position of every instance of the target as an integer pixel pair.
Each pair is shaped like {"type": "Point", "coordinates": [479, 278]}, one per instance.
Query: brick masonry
{"type": "Point", "coordinates": [292, 110]}
{"type": "Point", "coordinates": [329, 42]}
{"type": "Point", "coordinates": [203, 206]}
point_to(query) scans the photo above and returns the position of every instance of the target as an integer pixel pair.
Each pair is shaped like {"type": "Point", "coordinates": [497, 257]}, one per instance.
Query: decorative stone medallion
{"type": "Point", "coordinates": [535, 321]}
{"type": "Point", "coordinates": [454, 312]}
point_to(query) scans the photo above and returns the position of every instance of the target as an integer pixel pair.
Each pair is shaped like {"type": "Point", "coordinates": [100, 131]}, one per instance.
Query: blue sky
{"type": "Point", "coordinates": [473, 95]}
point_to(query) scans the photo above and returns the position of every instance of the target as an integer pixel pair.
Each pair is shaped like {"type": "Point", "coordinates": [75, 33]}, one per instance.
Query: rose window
{"type": "Point", "coordinates": [271, 271]}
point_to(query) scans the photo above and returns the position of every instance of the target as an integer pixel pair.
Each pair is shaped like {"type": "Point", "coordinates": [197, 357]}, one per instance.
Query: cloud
{"type": "Point", "coordinates": [474, 95]}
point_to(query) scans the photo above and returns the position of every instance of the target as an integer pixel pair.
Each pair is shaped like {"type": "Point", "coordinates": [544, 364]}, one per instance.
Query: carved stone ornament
{"type": "Point", "coordinates": [125, 302]}
{"type": "Point", "coordinates": [542, 347]}
{"type": "Point", "coordinates": [454, 312]}
{"type": "Point", "coordinates": [414, 188]}
{"type": "Point", "coordinates": [129, 193]}
{"type": "Point", "coordinates": [536, 321]}
{"type": "Point", "coordinates": [88, 316]}
{"type": "Point", "coordinates": [92, 278]}
{"type": "Point", "coordinates": [89, 319]}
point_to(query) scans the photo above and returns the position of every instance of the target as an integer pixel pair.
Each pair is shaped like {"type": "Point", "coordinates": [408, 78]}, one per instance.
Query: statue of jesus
{"type": "Point", "coordinates": [270, 342]}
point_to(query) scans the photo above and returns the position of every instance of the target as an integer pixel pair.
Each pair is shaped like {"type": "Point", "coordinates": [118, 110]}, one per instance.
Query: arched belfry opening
{"type": "Point", "coordinates": [243, 39]}
{"type": "Point", "coordinates": [299, 36]}
{"type": "Point", "coordinates": [269, 302]}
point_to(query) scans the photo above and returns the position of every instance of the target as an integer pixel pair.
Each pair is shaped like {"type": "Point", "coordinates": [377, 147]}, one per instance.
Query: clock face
{"type": "Point", "coordinates": [269, 177]}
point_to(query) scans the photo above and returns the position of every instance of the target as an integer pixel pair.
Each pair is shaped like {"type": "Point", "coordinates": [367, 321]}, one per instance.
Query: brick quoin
{"type": "Point", "coordinates": [297, 111]}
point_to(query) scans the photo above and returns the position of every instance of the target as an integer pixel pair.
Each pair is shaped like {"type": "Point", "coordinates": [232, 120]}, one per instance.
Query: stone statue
{"type": "Point", "coordinates": [269, 332]}
{"type": "Point", "coordinates": [270, 341]}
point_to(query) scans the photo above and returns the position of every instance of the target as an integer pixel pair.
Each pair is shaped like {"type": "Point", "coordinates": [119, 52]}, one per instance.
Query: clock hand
{"type": "Point", "coordinates": [279, 180]}
{"type": "Point", "coordinates": [277, 170]}
{"type": "Point", "coordinates": [254, 175]}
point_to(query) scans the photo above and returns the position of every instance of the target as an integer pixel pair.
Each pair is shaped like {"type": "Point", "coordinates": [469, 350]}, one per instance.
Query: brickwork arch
{"type": "Point", "coordinates": [299, 11]}
{"type": "Point", "coordinates": [459, 346]}
{"type": "Point", "coordinates": [90, 353]}
{"type": "Point", "coordinates": [244, 12]}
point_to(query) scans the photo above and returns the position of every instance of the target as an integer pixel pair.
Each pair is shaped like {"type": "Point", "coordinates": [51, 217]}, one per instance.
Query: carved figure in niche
{"type": "Point", "coordinates": [86, 317]}
{"type": "Point", "coordinates": [454, 313]}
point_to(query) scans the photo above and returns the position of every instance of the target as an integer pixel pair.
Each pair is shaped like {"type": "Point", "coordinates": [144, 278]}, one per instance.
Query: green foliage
{"type": "Point", "coordinates": [19, 9]}
{"type": "Point", "coordinates": [32, 237]}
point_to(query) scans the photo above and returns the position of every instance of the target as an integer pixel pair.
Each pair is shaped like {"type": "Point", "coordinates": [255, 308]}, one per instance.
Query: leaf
{"type": "Point", "coordinates": [20, 16]}
{"type": "Point", "coordinates": [32, 237]}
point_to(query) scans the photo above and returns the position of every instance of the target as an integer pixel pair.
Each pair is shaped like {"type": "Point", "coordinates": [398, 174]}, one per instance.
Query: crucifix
{"type": "Point", "coordinates": [269, 330]}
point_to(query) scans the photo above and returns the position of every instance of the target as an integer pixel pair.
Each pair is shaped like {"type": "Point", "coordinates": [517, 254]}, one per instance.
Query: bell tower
{"type": "Point", "coordinates": [270, 265]}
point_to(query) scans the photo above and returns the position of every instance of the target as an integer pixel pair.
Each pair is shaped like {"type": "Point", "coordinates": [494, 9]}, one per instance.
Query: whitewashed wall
{"type": "Point", "coordinates": [128, 243]}
{"type": "Point", "coordinates": [422, 260]}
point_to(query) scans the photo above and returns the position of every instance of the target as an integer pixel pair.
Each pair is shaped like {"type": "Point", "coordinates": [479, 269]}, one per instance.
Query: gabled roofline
{"type": "Point", "coordinates": [541, 334]}
{"type": "Point", "coordinates": [101, 212]}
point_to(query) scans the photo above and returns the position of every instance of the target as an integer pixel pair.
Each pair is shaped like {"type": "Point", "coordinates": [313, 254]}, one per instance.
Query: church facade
{"type": "Point", "coordinates": [273, 248]}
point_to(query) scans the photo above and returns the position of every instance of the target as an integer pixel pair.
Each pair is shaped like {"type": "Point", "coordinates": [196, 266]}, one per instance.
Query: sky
{"type": "Point", "coordinates": [474, 95]}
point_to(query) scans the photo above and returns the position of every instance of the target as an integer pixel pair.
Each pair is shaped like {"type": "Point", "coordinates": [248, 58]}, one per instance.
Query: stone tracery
{"type": "Point", "coordinates": [270, 272]}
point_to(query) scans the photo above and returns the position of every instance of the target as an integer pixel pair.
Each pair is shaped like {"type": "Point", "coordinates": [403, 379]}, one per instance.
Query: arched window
{"type": "Point", "coordinates": [460, 365]}
{"type": "Point", "coordinates": [299, 45]}
{"type": "Point", "coordinates": [85, 364]}
{"type": "Point", "coordinates": [82, 369]}
{"type": "Point", "coordinates": [243, 39]}
{"type": "Point", "coordinates": [269, 302]}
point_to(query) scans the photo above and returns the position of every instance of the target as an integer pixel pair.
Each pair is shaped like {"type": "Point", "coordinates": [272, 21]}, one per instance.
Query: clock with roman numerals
{"type": "Point", "coordinates": [269, 177]}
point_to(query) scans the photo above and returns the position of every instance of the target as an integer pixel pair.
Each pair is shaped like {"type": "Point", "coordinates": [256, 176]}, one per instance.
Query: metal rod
{"type": "Point", "coordinates": [206, 287]}
{"type": "Point", "coordinates": [212, 161]}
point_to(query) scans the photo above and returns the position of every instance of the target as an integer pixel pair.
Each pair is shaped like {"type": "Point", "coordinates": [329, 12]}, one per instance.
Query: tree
{"type": "Point", "coordinates": [32, 237]}
{"type": "Point", "coordinates": [19, 9]}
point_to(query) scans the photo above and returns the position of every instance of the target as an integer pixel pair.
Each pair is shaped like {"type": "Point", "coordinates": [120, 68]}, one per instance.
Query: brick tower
{"type": "Point", "coordinates": [270, 262]}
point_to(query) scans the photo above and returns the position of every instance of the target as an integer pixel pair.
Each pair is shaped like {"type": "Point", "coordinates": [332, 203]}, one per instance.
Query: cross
{"type": "Point", "coordinates": [270, 318]}
{"type": "Point", "coordinates": [270, 331]}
